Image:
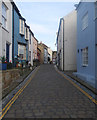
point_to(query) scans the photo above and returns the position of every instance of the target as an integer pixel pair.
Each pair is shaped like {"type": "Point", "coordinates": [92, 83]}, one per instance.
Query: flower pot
{"type": "Point", "coordinates": [3, 66]}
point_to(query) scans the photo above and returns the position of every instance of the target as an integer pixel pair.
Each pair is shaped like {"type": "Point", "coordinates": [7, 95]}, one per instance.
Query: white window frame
{"type": "Point", "coordinates": [85, 57]}
{"type": "Point", "coordinates": [22, 26]}
{"type": "Point", "coordinates": [85, 21]}
{"type": "Point", "coordinates": [26, 33]}
{"type": "Point", "coordinates": [4, 17]}
{"type": "Point", "coordinates": [22, 51]}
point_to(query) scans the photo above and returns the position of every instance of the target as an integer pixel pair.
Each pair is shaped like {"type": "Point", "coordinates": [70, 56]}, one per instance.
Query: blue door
{"type": "Point", "coordinates": [7, 52]}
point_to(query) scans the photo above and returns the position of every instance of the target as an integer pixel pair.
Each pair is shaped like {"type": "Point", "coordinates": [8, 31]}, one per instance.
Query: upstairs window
{"type": "Point", "coordinates": [4, 15]}
{"type": "Point", "coordinates": [85, 21]}
{"type": "Point", "coordinates": [85, 56]}
{"type": "Point", "coordinates": [26, 33]}
{"type": "Point", "coordinates": [21, 26]}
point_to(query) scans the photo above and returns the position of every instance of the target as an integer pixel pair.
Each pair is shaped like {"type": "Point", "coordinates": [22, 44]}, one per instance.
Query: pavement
{"type": "Point", "coordinates": [50, 95]}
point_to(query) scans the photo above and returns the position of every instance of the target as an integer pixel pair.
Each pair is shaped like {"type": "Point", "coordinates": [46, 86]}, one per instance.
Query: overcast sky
{"type": "Point", "coordinates": [43, 18]}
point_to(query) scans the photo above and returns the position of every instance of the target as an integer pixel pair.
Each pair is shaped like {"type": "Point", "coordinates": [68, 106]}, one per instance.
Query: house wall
{"type": "Point", "coordinates": [31, 49]}
{"type": "Point", "coordinates": [0, 28]}
{"type": "Point", "coordinates": [45, 55]}
{"type": "Point", "coordinates": [42, 53]}
{"type": "Point", "coordinates": [70, 24]}
{"type": "Point", "coordinates": [60, 46]}
{"type": "Point", "coordinates": [86, 38]}
{"type": "Point", "coordinates": [50, 52]}
{"type": "Point", "coordinates": [6, 33]}
{"type": "Point", "coordinates": [17, 37]}
{"type": "Point", "coordinates": [96, 53]}
{"type": "Point", "coordinates": [35, 44]}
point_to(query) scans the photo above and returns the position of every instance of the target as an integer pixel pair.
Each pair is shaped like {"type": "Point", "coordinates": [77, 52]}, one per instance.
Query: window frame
{"type": "Point", "coordinates": [26, 33]}
{"type": "Point", "coordinates": [4, 17]}
{"type": "Point", "coordinates": [85, 57]}
{"type": "Point", "coordinates": [85, 21]}
{"type": "Point", "coordinates": [24, 55]}
{"type": "Point", "coordinates": [22, 26]}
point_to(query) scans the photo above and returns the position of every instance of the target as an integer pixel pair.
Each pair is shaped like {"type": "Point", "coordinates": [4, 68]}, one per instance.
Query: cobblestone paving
{"type": "Point", "coordinates": [49, 95]}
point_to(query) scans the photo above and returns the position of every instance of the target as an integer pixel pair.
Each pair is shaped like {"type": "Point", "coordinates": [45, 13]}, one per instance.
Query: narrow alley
{"type": "Point", "coordinates": [49, 95]}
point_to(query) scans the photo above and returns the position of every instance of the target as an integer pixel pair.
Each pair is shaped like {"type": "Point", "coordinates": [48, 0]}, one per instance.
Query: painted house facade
{"type": "Point", "coordinates": [50, 53]}
{"type": "Point", "coordinates": [54, 57]}
{"type": "Point", "coordinates": [6, 30]}
{"type": "Point", "coordinates": [66, 42]}
{"type": "Point", "coordinates": [35, 45]}
{"type": "Point", "coordinates": [31, 35]}
{"type": "Point", "coordinates": [87, 42]}
{"type": "Point", "coordinates": [44, 53]}
{"type": "Point", "coordinates": [20, 36]}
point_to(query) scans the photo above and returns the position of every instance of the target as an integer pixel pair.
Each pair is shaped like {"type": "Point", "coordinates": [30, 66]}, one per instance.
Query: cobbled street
{"type": "Point", "coordinates": [50, 95]}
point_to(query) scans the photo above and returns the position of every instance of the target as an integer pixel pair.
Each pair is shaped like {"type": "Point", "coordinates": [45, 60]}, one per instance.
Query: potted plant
{"type": "Point", "coordinates": [3, 64]}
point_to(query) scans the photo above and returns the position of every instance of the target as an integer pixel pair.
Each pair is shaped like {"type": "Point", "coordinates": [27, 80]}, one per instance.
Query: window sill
{"type": "Point", "coordinates": [22, 34]}
{"type": "Point", "coordinates": [5, 29]}
{"type": "Point", "coordinates": [26, 39]}
{"type": "Point", "coordinates": [84, 65]}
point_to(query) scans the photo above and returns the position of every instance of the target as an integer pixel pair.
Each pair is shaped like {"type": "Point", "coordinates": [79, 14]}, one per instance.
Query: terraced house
{"type": "Point", "coordinates": [87, 42]}
{"type": "Point", "coordinates": [66, 42]}
{"type": "Point", "coordinates": [20, 36]}
{"type": "Point", "coordinates": [31, 35]}
{"type": "Point", "coordinates": [6, 30]}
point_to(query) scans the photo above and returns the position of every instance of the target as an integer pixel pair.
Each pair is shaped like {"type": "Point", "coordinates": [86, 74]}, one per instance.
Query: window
{"type": "Point", "coordinates": [85, 21]}
{"type": "Point", "coordinates": [22, 27]}
{"type": "Point", "coordinates": [26, 33]}
{"type": "Point", "coordinates": [85, 56]}
{"type": "Point", "coordinates": [22, 52]}
{"type": "Point", "coordinates": [4, 15]}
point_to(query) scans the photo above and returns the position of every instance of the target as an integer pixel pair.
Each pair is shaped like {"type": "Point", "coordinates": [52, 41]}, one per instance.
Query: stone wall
{"type": "Point", "coordinates": [9, 76]}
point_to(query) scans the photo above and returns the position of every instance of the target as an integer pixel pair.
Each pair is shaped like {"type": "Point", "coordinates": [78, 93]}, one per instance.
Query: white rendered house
{"type": "Point", "coordinates": [66, 42]}
{"type": "Point", "coordinates": [6, 30]}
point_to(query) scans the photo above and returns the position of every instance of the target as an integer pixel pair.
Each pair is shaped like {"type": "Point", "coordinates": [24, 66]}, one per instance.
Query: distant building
{"type": "Point", "coordinates": [39, 54]}
{"type": "Point", "coordinates": [87, 42]}
{"type": "Point", "coordinates": [44, 53]}
{"type": "Point", "coordinates": [6, 30]}
{"type": "Point", "coordinates": [66, 42]}
{"type": "Point", "coordinates": [35, 45]}
{"type": "Point", "coordinates": [50, 53]}
{"type": "Point", "coordinates": [20, 36]}
{"type": "Point", "coordinates": [54, 57]}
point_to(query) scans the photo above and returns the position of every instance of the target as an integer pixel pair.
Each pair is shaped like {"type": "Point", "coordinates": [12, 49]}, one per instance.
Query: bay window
{"type": "Point", "coordinates": [22, 52]}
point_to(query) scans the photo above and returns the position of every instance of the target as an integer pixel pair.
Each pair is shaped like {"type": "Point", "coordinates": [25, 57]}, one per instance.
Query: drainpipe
{"type": "Point", "coordinates": [13, 35]}
{"type": "Point", "coordinates": [63, 42]}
